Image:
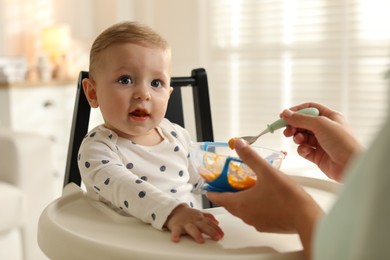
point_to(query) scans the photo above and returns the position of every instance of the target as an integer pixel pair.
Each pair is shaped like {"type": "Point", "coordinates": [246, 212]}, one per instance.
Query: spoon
{"type": "Point", "coordinates": [279, 124]}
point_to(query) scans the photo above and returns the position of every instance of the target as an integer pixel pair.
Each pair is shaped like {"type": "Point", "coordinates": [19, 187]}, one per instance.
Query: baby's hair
{"type": "Point", "coordinates": [124, 32]}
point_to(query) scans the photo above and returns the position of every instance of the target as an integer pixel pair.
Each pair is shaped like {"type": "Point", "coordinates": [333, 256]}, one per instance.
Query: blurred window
{"type": "Point", "coordinates": [268, 55]}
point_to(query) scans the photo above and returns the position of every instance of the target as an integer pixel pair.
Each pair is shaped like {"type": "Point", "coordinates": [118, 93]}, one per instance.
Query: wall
{"type": "Point", "coordinates": [177, 20]}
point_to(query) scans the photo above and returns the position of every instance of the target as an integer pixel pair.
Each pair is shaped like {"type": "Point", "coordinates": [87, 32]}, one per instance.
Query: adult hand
{"type": "Point", "coordinates": [276, 203]}
{"type": "Point", "coordinates": [324, 140]}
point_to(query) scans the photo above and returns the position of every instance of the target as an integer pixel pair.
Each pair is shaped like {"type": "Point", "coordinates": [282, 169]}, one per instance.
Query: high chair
{"type": "Point", "coordinates": [175, 113]}
{"type": "Point", "coordinates": [76, 227]}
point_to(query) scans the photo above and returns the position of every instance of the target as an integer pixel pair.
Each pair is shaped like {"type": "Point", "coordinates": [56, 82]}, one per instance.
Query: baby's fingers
{"type": "Point", "coordinates": [210, 228]}
{"type": "Point", "coordinates": [190, 229]}
{"type": "Point", "coordinates": [194, 232]}
{"type": "Point", "coordinates": [211, 217]}
{"type": "Point", "coordinates": [176, 233]}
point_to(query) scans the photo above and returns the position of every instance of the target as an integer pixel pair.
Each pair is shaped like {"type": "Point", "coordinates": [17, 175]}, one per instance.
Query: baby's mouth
{"type": "Point", "coordinates": [139, 113]}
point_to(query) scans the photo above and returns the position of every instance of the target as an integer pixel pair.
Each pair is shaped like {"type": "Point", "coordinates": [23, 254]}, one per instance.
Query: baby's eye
{"type": "Point", "coordinates": [125, 80]}
{"type": "Point", "coordinates": [155, 83]}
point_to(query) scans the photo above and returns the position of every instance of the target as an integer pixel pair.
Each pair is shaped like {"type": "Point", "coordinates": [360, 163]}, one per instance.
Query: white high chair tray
{"type": "Point", "coordinates": [76, 227]}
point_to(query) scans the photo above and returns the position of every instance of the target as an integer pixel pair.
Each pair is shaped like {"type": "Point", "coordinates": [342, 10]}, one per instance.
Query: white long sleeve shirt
{"type": "Point", "coordinates": [146, 182]}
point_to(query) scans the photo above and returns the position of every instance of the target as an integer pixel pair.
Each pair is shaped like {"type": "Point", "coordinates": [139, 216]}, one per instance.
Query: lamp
{"type": "Point", "coordinates": [56, 42]}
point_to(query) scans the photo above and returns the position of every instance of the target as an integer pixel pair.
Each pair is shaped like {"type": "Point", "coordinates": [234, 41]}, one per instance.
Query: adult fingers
{"type": "Point", "coordinates": [220, 198]}
{"type": "Point", "coordinates": [251, 158]}
{"type": "Point", "coordinates": [302, 138]}
{"type": "Point", "coordinates": [324, 111]}
{"type": "Point", "coordinates": [307, 152]}
{"type": "Point", "coordinates": [299, 120]}
{"type": "Point", "coordinates": [231, 201]}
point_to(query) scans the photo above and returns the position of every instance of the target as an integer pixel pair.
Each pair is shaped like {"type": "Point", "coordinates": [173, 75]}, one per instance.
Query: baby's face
{"type": "Point", "coordinates": [132, 84]}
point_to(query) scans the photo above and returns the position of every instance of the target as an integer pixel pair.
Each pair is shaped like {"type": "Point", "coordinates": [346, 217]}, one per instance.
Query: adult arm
{"type": "Point", "coordinates": [276, 203]}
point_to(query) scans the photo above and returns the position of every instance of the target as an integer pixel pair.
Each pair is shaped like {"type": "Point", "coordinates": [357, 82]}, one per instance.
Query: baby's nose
{"type": "Point", "coordinates": [142, 92]}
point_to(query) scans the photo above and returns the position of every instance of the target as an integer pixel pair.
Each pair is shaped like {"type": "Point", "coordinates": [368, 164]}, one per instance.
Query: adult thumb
{"type": "Point", "coordinates": [251, 157]}
{"type": "Point", "coordinates": [299, 120]}
{"type": "Point", "coordinates": [219, 198]}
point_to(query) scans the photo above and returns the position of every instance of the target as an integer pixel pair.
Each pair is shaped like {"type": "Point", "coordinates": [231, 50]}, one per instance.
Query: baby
{"type": "Point", "coordinates": [137, 162]}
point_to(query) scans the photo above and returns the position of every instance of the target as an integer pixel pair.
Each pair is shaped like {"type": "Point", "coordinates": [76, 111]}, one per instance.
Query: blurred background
{"type": "Point", "coordinates": [261, 56]}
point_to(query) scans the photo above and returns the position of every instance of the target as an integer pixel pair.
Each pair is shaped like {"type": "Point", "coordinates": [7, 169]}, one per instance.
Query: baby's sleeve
{"type": "Point", "coordinates": [105, 175]}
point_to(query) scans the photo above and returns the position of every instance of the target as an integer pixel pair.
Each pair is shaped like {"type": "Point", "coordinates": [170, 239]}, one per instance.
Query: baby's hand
{"type": "Point", "coordinates": [185, 220]}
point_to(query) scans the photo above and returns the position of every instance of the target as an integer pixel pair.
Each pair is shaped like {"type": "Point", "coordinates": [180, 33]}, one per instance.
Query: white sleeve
{"type": "Point", "coordinates": [104, 173]}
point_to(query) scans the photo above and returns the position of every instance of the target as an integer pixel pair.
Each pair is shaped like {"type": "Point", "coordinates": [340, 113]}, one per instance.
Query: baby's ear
{"type": "Point", "coordinates": [89, 87]}
{"type": "Point", "coordinates": [171, 90]}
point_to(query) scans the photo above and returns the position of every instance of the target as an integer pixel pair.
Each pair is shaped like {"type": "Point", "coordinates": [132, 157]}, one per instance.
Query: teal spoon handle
{"type": "Point", "coordinates": [281, 123]}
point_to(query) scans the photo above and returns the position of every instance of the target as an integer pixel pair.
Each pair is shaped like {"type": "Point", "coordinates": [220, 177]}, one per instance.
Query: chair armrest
{"type": "Point", "coordinates": [25, 158]}
{"type": "Point", "coordinates": [26, 163]}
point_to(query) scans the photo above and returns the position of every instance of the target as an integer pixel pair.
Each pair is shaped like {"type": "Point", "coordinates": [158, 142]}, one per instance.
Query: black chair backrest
{"type": "Point", "coordinates": [201, 100]}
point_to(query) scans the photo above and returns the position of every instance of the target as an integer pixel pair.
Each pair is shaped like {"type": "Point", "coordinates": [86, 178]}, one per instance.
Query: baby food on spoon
{"type": "Point", "coordinates": [232, 142]}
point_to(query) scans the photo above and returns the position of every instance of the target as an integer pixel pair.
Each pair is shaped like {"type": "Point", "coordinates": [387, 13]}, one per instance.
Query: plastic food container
{"type": "Point", "coordinates": [221, 168]}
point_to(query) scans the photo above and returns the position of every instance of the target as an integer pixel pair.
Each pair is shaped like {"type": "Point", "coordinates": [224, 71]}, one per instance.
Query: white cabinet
{"type": "Point", "coordinates": [46, 110]}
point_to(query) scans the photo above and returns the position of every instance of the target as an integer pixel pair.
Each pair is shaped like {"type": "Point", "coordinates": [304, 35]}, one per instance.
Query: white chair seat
{"type": "Point", "coordinates": [11, 202]}
{"type": "Point", "coordinates": [76, 227]}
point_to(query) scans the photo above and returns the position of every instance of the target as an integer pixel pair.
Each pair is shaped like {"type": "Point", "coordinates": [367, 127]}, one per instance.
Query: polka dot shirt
{"type": "Point", "coordinates": [146, 182]}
